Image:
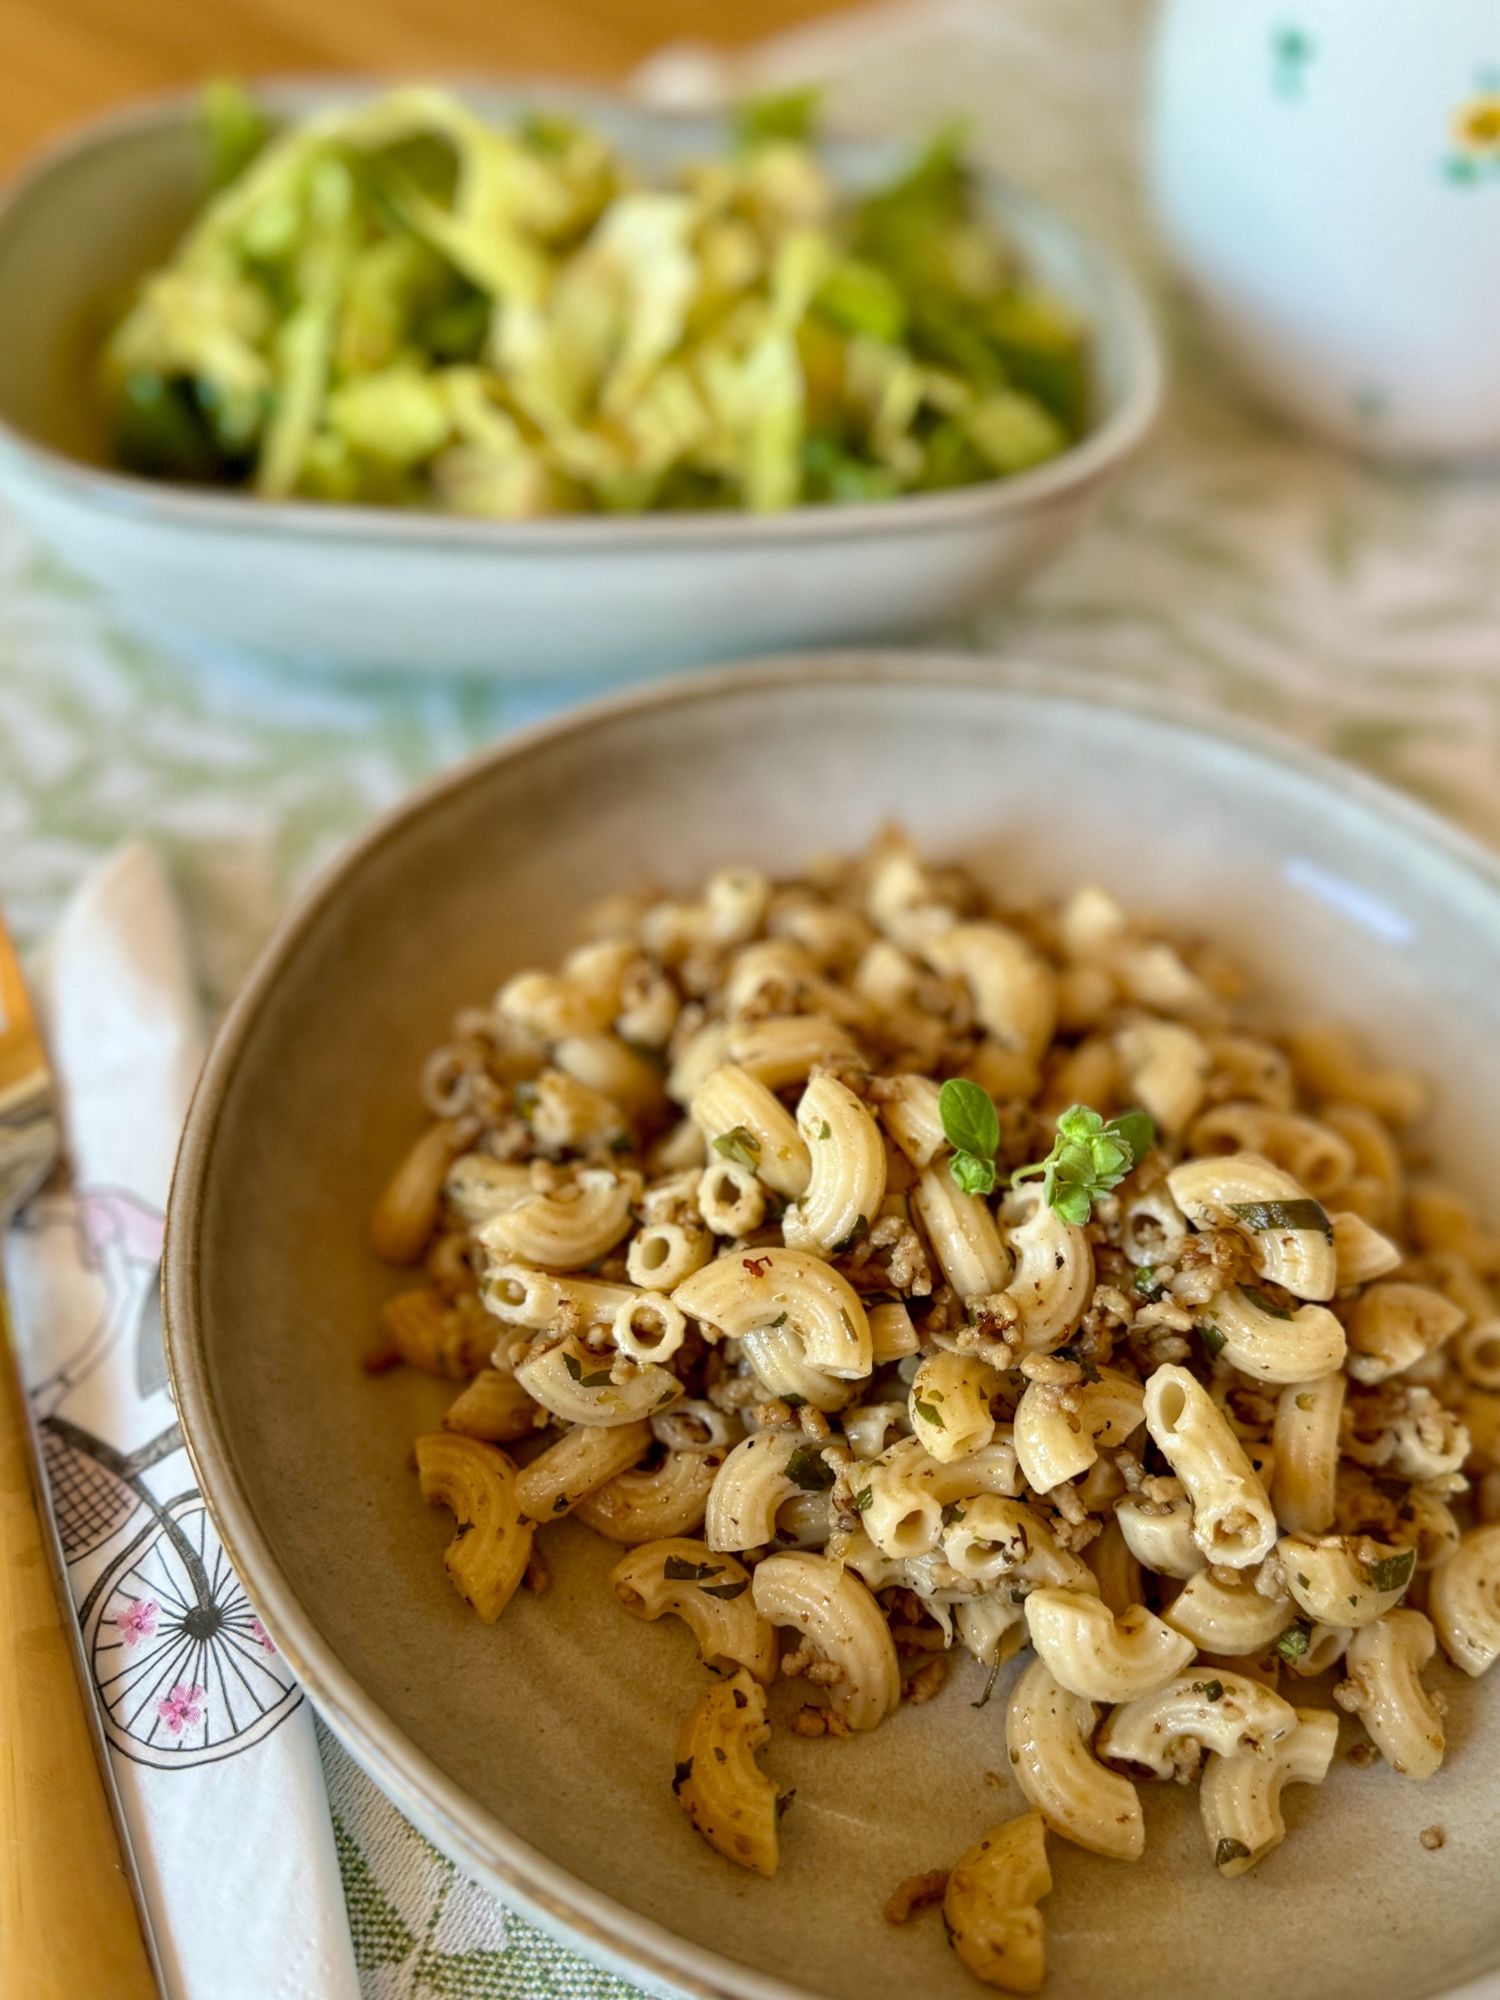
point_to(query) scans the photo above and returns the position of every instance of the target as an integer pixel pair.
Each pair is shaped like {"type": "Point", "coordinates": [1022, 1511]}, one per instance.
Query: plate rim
{"type": "Point", "coordinates": [581, 1917]}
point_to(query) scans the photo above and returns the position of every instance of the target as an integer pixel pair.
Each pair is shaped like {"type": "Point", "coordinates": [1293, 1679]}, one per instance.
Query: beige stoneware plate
{"type": "Point", "coordinates": [353, 588]}
{"type": "Point", "coordinates": [539, 1753]}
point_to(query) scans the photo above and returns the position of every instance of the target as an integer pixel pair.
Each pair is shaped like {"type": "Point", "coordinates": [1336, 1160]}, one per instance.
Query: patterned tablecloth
{"type": "Point", "coordinates": [1356, 609]}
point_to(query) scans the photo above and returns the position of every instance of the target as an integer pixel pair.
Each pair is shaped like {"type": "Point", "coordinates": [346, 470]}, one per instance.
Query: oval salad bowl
{"type": "Point", "coordinates": [538, 1752]}
{"type": "Point", "coordinates": [356, 587]}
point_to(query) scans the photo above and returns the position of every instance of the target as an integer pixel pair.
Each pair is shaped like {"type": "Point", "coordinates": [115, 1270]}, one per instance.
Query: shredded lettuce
{"type": "Point", "coordinates": [397, 304]}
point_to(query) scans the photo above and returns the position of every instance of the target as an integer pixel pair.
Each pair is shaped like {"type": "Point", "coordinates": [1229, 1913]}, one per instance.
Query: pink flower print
{"type": "Point", "coordinates": [181, 1706]}
{"type": "Point", "coordinates": [137, 1621]}
{"type": "Point", "coordinates": [261, 1636]}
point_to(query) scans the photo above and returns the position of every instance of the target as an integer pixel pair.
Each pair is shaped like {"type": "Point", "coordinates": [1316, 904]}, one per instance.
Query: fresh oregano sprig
{"type": "Point", "coordinates": [1090, 1156]}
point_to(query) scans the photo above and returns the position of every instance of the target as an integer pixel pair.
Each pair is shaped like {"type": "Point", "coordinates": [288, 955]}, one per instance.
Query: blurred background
{"type": "Point", "coordinates": [64, 60]}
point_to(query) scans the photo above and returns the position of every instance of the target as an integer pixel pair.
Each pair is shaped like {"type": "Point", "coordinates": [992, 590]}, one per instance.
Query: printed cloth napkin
{"type": "Point", "coordinates": [1356, 609]}
{"type": "Point", "coordinates": [213, 1746]}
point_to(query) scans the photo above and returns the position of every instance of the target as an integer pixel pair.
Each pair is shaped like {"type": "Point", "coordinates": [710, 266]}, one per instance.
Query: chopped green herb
{"type": "Point", "coordinates": [1229, 1850]}
{"type": "Point", "coordinates": [989, 1687]}
{"type": "Point", "coordinates": [805, 1468]}
{"type": "Point", "coordinates": [597, 1378]}
{"type": "Point", "coordinates": [1302, 1581]}
{"type": "Point", "coordinates": [1145, 1282]}
{"type": "Point", "coordinates": [793, 1401]}
{"type": "Point", "coordinates": [621, 1143]}
{"type": "Point", "coordinates": [740, 1145]}
{"type": "Point", "coordinates": [780, 1320]}
{"type": "Point", "coordinates": [1210, 1690]}
{"type": "Point", "coordinates": [678, 1571]}
{"type": "Point", "coordinates": [825, 1130]}
{"type": "Point", "coordinates": [1264, 1302]}
{"type": "Point", "coordinates": [1303, 1214]}
{"type": "Point", "coordinates": [930, 1414]}
{"type": "Point", "coordinates": [1293, 1642]}
{"type": "Point", "coordinates": [1088, 1158]}
{"type": "Point", "coordinates": [1017, 1594]}
{"type": "Point", "coordinates": [560, 1504]}
{"type": "Point", "coordinates": [863, 1498]}
{"type": "Point", "coordinates": [861, 1228]}
{"type": "Point", "coordinates": [1211, 1337]}
{"type": "Point", "coordinates": [728, 1591]}
{"type": "Point", "coordinates": [1392, 1572]}
{"type": "Point", "coordinates": [971, 1125]}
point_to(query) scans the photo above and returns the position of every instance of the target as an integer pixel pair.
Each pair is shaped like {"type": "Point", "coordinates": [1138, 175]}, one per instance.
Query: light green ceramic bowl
{"type": "Point", "coordinates": [539, 1752]}
{"type": "Point", "coordinates": [354, 588]}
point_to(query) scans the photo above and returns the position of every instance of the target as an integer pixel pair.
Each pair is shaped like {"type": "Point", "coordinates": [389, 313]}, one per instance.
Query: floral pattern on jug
{"type": "Point", "coordinates": [1476, 134]}
{"type": "Point", "coordinates": [1292, 50]}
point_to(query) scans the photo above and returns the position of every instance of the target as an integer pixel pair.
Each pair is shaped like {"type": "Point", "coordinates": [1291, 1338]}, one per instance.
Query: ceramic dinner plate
{"type": "Point", "coordinates": [538, 1753]}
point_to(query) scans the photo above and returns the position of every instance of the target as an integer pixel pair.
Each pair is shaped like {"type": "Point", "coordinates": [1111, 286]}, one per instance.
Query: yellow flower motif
{"type": "Point", "coordinates": [1476, 125]}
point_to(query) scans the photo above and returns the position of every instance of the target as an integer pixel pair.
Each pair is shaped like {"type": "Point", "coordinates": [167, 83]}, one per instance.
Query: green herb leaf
{"type": "Point", "coordinates": [1304, 1214]}
{"type": "Point", "coordinates": [1264, 1302]}
{"type": "Point", "coordinates": [780, 1320]}
{"type": "Point", "coordinates": [1088, 1158]}
{"type": "Point", "coordinates": [1229, 1850]}
{"type": "Point", "coordinates": [1211, 1337]}
{"type": "Point", "coordinates": [1293, 1642]}
{"type": "Point", "coordinates": [728, 1591]}
{"type": "Point", "coordinates": [805, 1468]}
{"type": "Point", "coordinates": [1145, 1282]}
{"type": "Point", "coordinates": [1392, 1572]}
{"type": "Point", "coordinates": [861, 1228]}
{"type": "Point", "coordinates": [825, 1130]}
{"type": "Point", "coordinates": [971, 1125]}
{"type": "Point", "coordinates": [1137, 1132]}
{"type": "Point", "coordinates": [930, 1414]}
{"type": "Point", "coordinates": [863, 1498]}
{"type": "Point", "coordinates": [972, 1175]}
{"type": "Point", "coordinates": [1210, 1690]}
{"type": "Point", "coordinates": [678, 1571]}
{"type": "Point", "coordinates": [740, 1145]}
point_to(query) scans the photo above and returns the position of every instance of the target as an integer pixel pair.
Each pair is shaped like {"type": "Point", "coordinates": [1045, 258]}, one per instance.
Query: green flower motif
{"type": "Point", "coordinates": [1292, 49]}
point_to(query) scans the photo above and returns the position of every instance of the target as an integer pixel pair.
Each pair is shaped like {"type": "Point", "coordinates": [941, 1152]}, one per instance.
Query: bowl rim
{"type": "Point", "coordinates": [1099, 451]}
{"type": "Point", "coordinates": [579, 1916]}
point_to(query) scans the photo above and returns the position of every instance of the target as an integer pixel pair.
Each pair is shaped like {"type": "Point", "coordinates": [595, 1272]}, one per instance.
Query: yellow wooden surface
{"type": "Point", "coordinates": [68, 1928]}
{"type": "Point", "coordinates": [62, 60]}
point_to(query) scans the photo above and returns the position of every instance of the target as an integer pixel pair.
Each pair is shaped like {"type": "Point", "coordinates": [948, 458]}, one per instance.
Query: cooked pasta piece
{"type": "Point", "coordinates": [1240, 1796]}
{"type": "Point", "coordinates": [717, 1782]}
{"type": "Point", "coordinates": [1049, 1735]}
{"type": "Point", "coordinates": [839, 1619]}
{"type": "Point", "coordinates": [491, 1545]}
{"type": "Point", "coordinates": [710, 1593]}
{"type": "Point", "coordinates": [990, 1905]}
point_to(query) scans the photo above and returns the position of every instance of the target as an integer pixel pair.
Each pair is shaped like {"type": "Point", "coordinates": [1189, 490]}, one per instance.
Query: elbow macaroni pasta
{"type": "Point", "coordinates": [697, 1257]}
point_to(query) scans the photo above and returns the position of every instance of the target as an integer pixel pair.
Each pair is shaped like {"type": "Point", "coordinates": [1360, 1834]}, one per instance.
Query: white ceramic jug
{"type": "Point", "coordinates": [1327, 176]}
